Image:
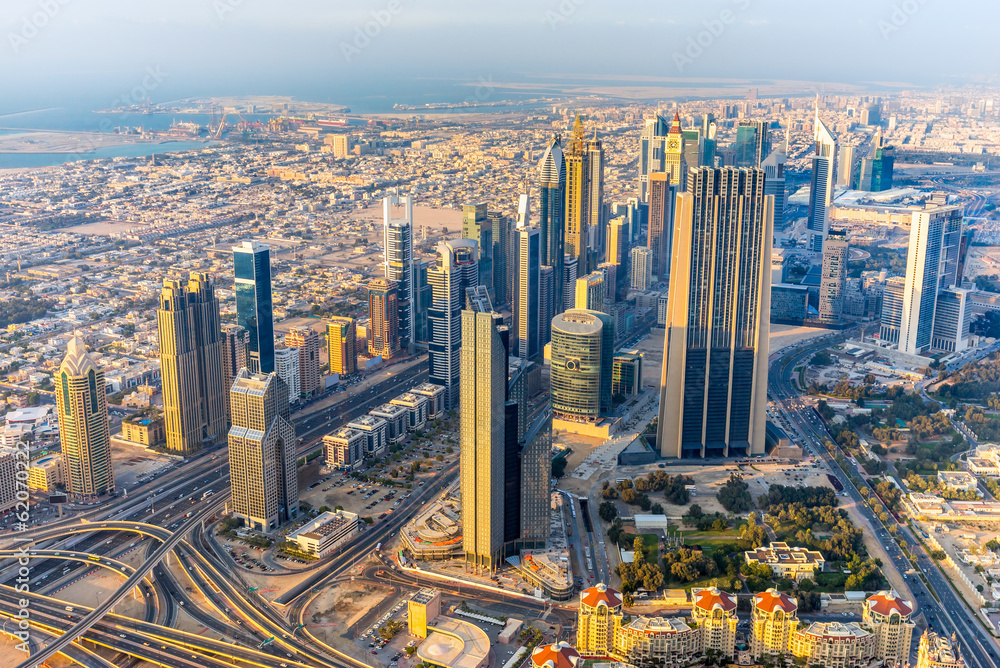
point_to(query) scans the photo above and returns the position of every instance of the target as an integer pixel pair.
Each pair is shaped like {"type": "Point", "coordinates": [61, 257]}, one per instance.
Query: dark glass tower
{"type": "Point", "coordinates": [252, 263]}
{"type": "Point", "coordinates": [552, 214]}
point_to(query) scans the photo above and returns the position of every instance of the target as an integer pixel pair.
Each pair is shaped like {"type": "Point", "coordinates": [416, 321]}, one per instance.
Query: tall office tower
{"type": "Point", "coordinates": [713, 388]}
{"type": "Point", "coordinates": [503, 239]}
{"type": "Point", "coordinates": [478, 226]}
{"type": "Point", "coordinates": [659, 236]}
{"type": "Point", "coordinates": [833, 278]}
{"type": "Point", "coordinates": [889, 618]}
{"type": "Point", "coordinates": [523, 210]}
{"type": "Point", "coordinates": [773, 622]}
{"type": "Point", "coordinates": [595, 194]}
{"type": "Point", "coordinates": [483, 398]}
{"type": "Point", "coordinates": [235, 343]}
{"type": "Point", "coordinates": [546, 303]}
{"type": "Point", "coordinates": [286, 366]}
{"type": "Point", "coordinates": [527, 318]}
{"type": "Point", "coordinates": [306, 341]}
{"type": "Point", "coordinates": [457, 269]}
{"type": "Point", "coordinates": [753, 143]}
{"type": "Point", "coordinates": [952, 320]}
{"type": "Point", "coordinates": [577, 353]}
{"type": "Point", "coordinates": [774, 182]}
{"type": "Point", "coordinates": [571, 271]}
{"type": "Point", "coordinates": [938, 651]}
{"type": "Point", "coordinates": [641, 275]}
{"type": "Point", "coordinates": [708, 131]}
{"type": "Point", "coordinates": [673, 155]}
{"type": "Point", "coordinates": [191, 364]}
{"type": "Point", "coordinates": [877, 166]}
{"type": "Point", "coordinates": [252, 266]}
{"type": "Point", "coordinates": [341, 340]}
{"type": "Point", "coordinates": [536, 472]}
{"type": "Point", "coordinates": [652, 145]}
{"type": "Point", "coordinates": [422, 299]}
{"type": "Point", "coordinates": [591, 292]}
{"type": "Point", "coordinates": [931, 266]}
{"type": "Point", "coordinates": [578, 199]}
{"type": "Point", "coordinates": [845, 165]}
{"type": "Point", "coordinates": [397, 239]}
{"type": "Point", "coordinates": [383, 311]}
{"type": "Point", "coordinates": [821, 184]}
{"type": "Point", "coordinates": [618, 242]}
{"type": "Point", "coordinates": [264, 478]}
{"type": "Point", "coordinates": [83, 424]}
{"type": "Point", "coordinates": [552, 219]}
{"type": "Point", "coordinates": [692, 147]}
{"type": "Point", "coordinates": [891, 317]}
{"type": "Point", "coordinates": [609, 270]}
{"type": "Point", "coordinates": [871, 113]}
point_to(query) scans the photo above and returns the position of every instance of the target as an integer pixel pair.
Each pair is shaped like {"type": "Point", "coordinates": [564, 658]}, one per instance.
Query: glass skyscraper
{"type": "Point", "coordinates": [254, 311]}
{"type": "Point", "coordinates": [552, 213]}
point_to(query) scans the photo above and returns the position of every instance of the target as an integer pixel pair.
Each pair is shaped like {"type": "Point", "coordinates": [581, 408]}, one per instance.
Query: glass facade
{"type": "Point", "coordinates": [254, 310]}
{"type": "Point", "coordinates": [577, 339]}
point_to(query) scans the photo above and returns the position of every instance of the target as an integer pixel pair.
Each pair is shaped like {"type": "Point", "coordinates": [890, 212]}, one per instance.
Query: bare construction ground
{"type": "Point", "coordinates": [331, 617]}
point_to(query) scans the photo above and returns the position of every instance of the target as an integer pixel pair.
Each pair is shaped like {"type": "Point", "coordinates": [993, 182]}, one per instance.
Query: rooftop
{"type": "Point", "coordinates": [454, 643]}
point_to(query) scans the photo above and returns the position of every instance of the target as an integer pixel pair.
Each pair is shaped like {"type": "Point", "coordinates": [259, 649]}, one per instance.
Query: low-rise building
{"type": "Point", "coordinates": [454, 643]}
{"type": "Point", "coordinates": [396, 419]}
{"type": "Point", "coordinates": [961, 481]}
{"type": "Point", "coordinates": [558, 655]}
{"type": "Point", "coordinates": [46, 472]}
{"type": "Point", "coordinates": [147, 430]}
{"type": "Point", "coordinates": [326, 532]}
{"type": "Point", "coordinates": [436, 533]}
{"type": "Point", "coordinates": [416, 407]}
{"type": "Point", "coordinates": [773, 622]}
{"type": "Point", "coordinates": [435, 398]}
{"type": "Point", "coordinates": [548, 570]}
{"type": "Point", "coordinates": [797, 563]}
{"type": "Point", "coordinates": [376, 431]}
{"type": "Point", "coordinates": [646, 641]}
{"type": "Point", "coordinates": [938, 652]}
{"type": "Point", "coordinates": [834, 645]}
{"type": "Point", "coordinates": [422, 609]}
{"type": "Point", "coordinates": [345, 449]}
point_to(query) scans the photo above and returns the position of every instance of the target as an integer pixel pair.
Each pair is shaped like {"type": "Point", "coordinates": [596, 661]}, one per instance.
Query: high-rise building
{"type": "Point", "coordinates": [660, 233]}
{"type": "Point", "coordinates": [535, 455]}
{"type": "Point", "coordinates": [423, 298]}
{"type": "Point", "coordinates": [235, 346]}
{"type": "Point", "coordinates": [626, 374]}
{"type": "Point", "coordinates": [713, 388]}
{"type": "Point", "coordinates": [609, 271]}
{"type": "Point", "coordinates": [546, 303]}
{"type": "Point", "coordinates": [526, 298]}
{"type": "Point", "coordinates": [305, 340]}
{"type": "Point", "coordinates": [937, 651]}
{"type": "Point", "coordinates": [263, 474]}
{"type": "Point", "coordinates": [254, 312]}
{"type": "Point", "coordinates": [191, 365]}
{"type": "Point", "coordinates": [595, 195]}
{"type": "Point", "coordinates": [397, 239]}
{"type": "Point", "coordinates": [599, 615]}
{"type": "Point", "coordinates": [618, 242]}
{"type": "Point", "coordinates": [578, 200]}
{"type": "Point", "coordinates": [591, 292]}
{"type": "Point", "coordinates": [774, 182]}
{"type": "Point", "coordinates": [641, 275]}
{"type": "Point", "coordinates": [891, 315]}
{"type": "Point", "coordinates": [845, 165]}
{"type": "Point", "coordinates": [833, 276]}
{"type": "Point", "coordinates": [478, 226]}
{"type": "Point", "coordinates": [341, 340]}
{"type": "Point", "coordinates": [503, 257]}
{"type": "Point", "coordinates": [952, 320]}
{"type": "Point", "coordinates": [383, 325]}
{"type": "Point", "coordinates": [931, 266]}
{"type": "Point", "coordinates": [888, 616]}
{"type": "Point", "coordinates": [715, 612]}
{"type": "Point", "coordinates": [552, 218]}
{"type": "Point", "coordinates": [821, 184]}
{"type": "Point", "coordinates": [576, 357]}
{"type": "Point", "coordinates": [286, 366]}
{"type": "Point", "coordinates": [871, 113]}
{"type": "Point", "coordinates": [877, 166]}
{"type": "Point", "coordinates": [673, 156]}
{"type": "Point", "coordinates": [773, 622]}
{"type": "Point", "coordinates": [81, 401]}
{"type": "Point", "coordinates": [753, 143]}
{"type": "Point", "coordinates": [571, 272]}
{"type": "Point", "coordinates": [652, 145]}
{"type": "Point", "coordinates": [483, 399]}
{"type": "Point", "coordinates": [457, 268]}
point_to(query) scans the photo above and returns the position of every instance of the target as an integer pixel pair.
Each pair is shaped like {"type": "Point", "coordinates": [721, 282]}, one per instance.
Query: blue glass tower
{"type": "Point", "coordinates": [252, 263]}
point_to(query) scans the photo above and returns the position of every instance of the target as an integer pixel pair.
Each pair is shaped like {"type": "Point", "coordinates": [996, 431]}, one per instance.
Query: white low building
{"type": "Point", "coordinates": [326, 532]}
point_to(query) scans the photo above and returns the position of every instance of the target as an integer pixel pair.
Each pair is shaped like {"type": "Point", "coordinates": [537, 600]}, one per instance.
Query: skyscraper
{"type": "Point", "coordinates": [652, 145]}
{"type": "Point", "coordinates": [660, 228]}
{"type": "Point", "coordinates": [821, 184]}
{"type": "Point", "coordinates": [457, 269]}
{"type": "Point", "coordinates": [398, 266]}
{"type": "Point", "coordinates": [891, 316]}
{"type": "Point", "coordinates": [774, 182]}
{"type": "Point", "coordinates": [877, 166]}
{"type": "Point", "coordinates": [931, 266]}
{"type": "Point", "coordinates": [591, 292]}
{"type": "Point", "coordinates": [478, 226]}
{"type": "Point", "coordinates": [483, 399]}
{"type": "Point", "coordinates": [595, 194]}
{"type": "Point", "coordinates": [577, 196]}
{"type": "Point", "coordinates": [552, 219]}
{"type": "Point", "coordinates": [713, 388]}
{"type": "Point", "coordinates": [305, 340]}
{"type": "Point", "coordinates": [286, 366]}
{"type": "Point", "coordinates": [191, 366]}
{"type": "Point", "coordinates": [503, 254]}
{"type": "Point", "coordinates": [341, 338]}
{"type": "Point", "coordinates": [673, 157]}
{"type": "Point", "coordinates": [571, 272]}
{"type": "Point", "coordinates": [83, 424]}
{"type": "Point", "coordinates": [609, 271]}
{"type": "Point", "coordinates": [252, 265]}
{"type": "Point", "coordinates": [618, 242]}
{"type": "Point", "coordinates": [383, 311]}
{"type": "Point", "coordinates": [577, 353]}
{"type": "Point", "coordinates": [546, 302]}
{"type": "Point", "coordinates": [641, 274]}
{"type": "Point", "coordinates": [527, 318]}
{"type": "Point", "coordinates": [833, 278]}
{"type": "Point", "coordinates": [264, 478]}
{"type": "Point", "coordinates": [753, 143]}
{"type": "Point", "coordinates": [235, 344]}
{"type": "Point", "coordinates": [845, 165]}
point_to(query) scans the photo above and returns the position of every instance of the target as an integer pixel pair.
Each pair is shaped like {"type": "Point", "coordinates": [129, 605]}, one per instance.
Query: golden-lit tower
{"type": "Point", "coordinates": [674, 162]}
{"type": "Point", "coordinates": [577, 199]}
{"type": "Point", "coordinates": [341, 334]}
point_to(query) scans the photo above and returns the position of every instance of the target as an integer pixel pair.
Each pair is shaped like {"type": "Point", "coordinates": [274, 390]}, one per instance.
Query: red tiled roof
{"type": "Point", "coordinates": [708, 599]}
{"type": "Point", "coordinates": [885, 603]}
{"type": "Point", "coordinates": [593, 596]}
{"type": "Point", "coordinates": [772, 599]}
{"type": "Point", "coordinates": [561, 655]}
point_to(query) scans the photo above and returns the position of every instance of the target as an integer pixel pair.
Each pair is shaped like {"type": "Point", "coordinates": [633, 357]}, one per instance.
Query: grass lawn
{"type": "Point", "coordinates": [833, 581]}
{"type": "Point", "coordinates": [695, 533]}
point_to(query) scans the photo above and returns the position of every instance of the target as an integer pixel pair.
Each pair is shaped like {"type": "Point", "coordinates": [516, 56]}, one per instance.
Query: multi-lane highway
{"type": "Point", "coordinates": [944, 611]}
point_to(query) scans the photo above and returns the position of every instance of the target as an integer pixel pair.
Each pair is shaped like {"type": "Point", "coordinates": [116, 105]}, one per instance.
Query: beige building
{"type": "Point", "coordinates": [939, 652]}
{"type": "Point", "coordinates": [345, 448]}
{"type": "Point", "coordinates": [600, 614]}
{"type": "Point", "coordinates": [235, 348]}
{"type": "Point", "coordinates": [191, 364]}
{"type": "Point", "coordinates": [46, 473]}
{"type": "Point", "coordinates": [8, 478]}
{"type": "Point", "coordinates": [715, 613]}
{"type": "Point", "coordinates": [305, 340]}
{"type": "Point", "coordinates": [146, 430]}
{"type": "Point", "coordinates": [834, 645]}
{"type": "Point", "coordinates": [797, 563]}
{"type": "Point", "coordinates": [773, 622]}
{"type": "Point", "coordinates": [83, 424]}
{"type": "Point", "coordinates": [422, 609]}
{"type": "Point", "coordinates": [341, 341]}
{"type": "Point", "coordinates": [656, 641]}
{"type": "Point", "coordinates": [326, 532]}
{"type": "Point", "coordinates": [888, 616]}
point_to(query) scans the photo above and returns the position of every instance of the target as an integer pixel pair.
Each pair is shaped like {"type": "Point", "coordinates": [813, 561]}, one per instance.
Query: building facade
{"type": "Point", "coordinates": [254, 308]}
{"type": "Point", "coordinates": [715, 613]}
{"type": "Point", "coordinates": [286, 366]}
{"type": "Point", "coordinates": [599, 615]}
{"type": "Point", "coordinates": [383, 325]}
{"type": "Point", "coordinates": [660, 234]}
{"type": "Point", "coordinates": [344, 449]}
{"type": "Point", "coordinates": [305, 341]}
{"type": "Point", "coordinates": [552, 213]}
{"type": "Point", "coordinates": [889, 618]}
{"type": "Point", "coordinates": [641, 274]}
{"type": "Point", "coordinates": [341, 342]}
{"type": "Point", "coordinates": [773, 622]}
{"type": "Point", "coordinates": [526, 298]}
{"type": "Point", "coordinates": [821, 184]}
{"type": "Point", "coordinates": [235, 348]}
{"type": "Point", "coordinates": [576, 356]}
{"type": "Point", "coordinates": [457, 269]}
{"type": "Point", "coordinates": [833, 277]}
{"type": "Point", "coordinates": [397, 239]}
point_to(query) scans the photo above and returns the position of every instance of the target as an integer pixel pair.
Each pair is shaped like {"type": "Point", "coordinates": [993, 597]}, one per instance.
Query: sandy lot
{"type": "Point", "coordinates": [96, 587]}
{"type": "Point", "coordinates": [330, 615]}
{"type": "Point", "coordinates": [783, 336]}
{"type": "Point", "coordinates": [131, 463]}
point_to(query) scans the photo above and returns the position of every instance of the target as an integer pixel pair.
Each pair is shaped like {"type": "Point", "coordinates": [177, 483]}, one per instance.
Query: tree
{"type": "Point", "coordinates": [558, 467]}
{"type": "Point", "coordinates": [734, 494]}
{"type": "Point", "coordinates": [607, 511]}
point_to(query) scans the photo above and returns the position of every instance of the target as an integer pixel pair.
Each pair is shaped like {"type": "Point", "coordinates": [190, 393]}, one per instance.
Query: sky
{"type": "Point", "coordinates": [81, 52]}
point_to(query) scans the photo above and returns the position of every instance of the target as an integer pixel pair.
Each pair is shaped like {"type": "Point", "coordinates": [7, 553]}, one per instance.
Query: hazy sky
{"type": "Point", "coordinates": [65, 51]}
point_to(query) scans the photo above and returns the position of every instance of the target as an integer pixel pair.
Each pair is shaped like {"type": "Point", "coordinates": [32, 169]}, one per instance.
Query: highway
{"type": "Point", "coordinates": [946, 613]}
